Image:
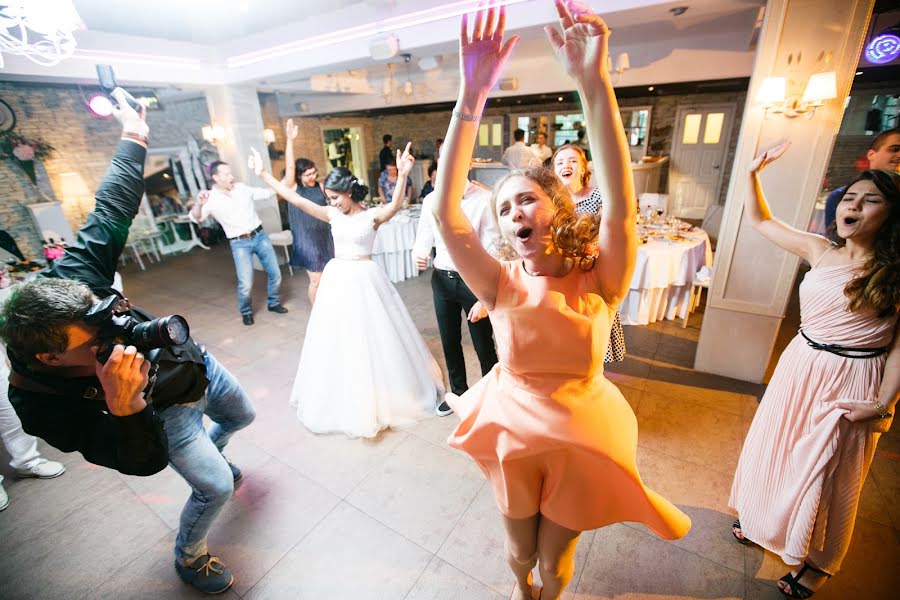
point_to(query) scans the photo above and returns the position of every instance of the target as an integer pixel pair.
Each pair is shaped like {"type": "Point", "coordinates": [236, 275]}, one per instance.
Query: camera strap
{"type": "Point", "coordinates": [30, 385]}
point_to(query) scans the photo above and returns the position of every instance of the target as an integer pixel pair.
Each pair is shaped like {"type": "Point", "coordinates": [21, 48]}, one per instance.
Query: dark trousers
{"type": "Point", "coordinates": [452, 301]}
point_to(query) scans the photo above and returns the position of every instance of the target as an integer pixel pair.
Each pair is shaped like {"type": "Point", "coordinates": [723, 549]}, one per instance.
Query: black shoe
{"type": "Point", "coordinates": [278, 309]}
{"type": "Point", "coordinates": [207, 575]}
{"type": "Point", "coordinates": [235, 472]}
{"type": "Point", "coordinates": [248, 319]}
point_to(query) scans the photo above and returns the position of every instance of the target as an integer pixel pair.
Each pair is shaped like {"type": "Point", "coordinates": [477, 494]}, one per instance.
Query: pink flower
{"type": "Point", "coordinates": [23, 152]}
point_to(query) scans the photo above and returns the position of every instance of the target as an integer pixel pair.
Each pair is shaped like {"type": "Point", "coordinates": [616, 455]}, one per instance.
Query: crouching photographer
{"type": "Point", "coordinates": [93, 374]}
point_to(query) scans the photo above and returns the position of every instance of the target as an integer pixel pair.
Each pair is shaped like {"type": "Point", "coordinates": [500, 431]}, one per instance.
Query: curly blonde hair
{"type": "Point", "coordinates": [573, 235]}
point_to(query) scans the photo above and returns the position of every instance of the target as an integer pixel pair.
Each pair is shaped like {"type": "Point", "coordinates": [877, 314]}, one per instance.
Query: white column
{"type": "Point", "coordinates": [753, 278]}
{"type": "Point", "coordinates": [237, 109]}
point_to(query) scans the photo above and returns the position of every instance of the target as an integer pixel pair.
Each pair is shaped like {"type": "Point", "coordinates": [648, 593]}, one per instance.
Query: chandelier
{"type": "Point", "coordinates": [40, 31]}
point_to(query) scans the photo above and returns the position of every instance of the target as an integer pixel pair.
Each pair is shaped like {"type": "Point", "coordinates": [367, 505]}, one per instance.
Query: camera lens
{"type": "Point", "coordinates": [166, 331]}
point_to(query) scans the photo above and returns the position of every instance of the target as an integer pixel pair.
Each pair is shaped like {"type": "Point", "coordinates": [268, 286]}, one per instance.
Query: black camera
{"type": "Point", "coordinates": [125, 330]}
{"type": "Point", "coordinates": [108, 84]}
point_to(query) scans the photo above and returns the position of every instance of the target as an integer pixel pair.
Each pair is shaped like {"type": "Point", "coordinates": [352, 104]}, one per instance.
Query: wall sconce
{"type": "Point", "coordinates": [268, 136]}
{"type": "Point", "coordinates": [269, 139]}
{"type": "Point", "coordinates": [75, 192]}
{"type": "Point", "coordinates": [214, 134]}
{"type": "Point", "coordinates": [820, 87]}
{"type": "Point", "coordinates": [623, 63]}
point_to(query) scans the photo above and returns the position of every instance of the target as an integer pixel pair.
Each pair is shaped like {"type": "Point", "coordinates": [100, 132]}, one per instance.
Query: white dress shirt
{"type": "Point", "coordinates": [519, 156]}
{"type": "Point", "coordinates": [234, 210]}
{"type": "Point", "coordinates": [476, 206]}
{"type": "Point", "coordinates": [542, 152]}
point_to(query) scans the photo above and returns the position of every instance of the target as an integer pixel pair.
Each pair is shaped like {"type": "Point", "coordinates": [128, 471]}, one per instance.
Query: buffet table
{"type": "Point", "coordinates": [394, 243]}
{"type": "Point", "coordinates": [665, 270]}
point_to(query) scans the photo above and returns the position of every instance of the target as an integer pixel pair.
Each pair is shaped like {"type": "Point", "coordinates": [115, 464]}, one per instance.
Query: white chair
{"type": "Point", "coordinates": [267, 209]}
{"type": "Point", "coordinates": [285, 239]}
{"type": "Point", "coordinates": [701, 281]}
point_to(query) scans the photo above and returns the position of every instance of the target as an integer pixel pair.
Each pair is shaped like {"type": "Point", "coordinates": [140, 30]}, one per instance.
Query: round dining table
{"type": "Point", "coordinates": [663, 276]}
{"type": "Point", "coordinates": [394, 243]}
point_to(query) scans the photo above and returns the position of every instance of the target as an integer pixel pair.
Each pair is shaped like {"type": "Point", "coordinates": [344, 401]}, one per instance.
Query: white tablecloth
{"type": "Point", "coordinates": [661, 285]}
{"type": "Point", "coordinates": [393, 246]}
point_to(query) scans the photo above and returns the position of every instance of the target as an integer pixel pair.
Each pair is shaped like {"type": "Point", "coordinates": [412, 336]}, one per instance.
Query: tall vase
{"type": "Point", "coordinates": [28, 167]}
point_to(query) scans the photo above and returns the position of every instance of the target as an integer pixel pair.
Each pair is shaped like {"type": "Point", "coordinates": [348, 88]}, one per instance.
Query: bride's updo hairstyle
{"type": "Point", "coordinates": [573, 235]}
{"type": "Point", "coordinates": [342, 180]}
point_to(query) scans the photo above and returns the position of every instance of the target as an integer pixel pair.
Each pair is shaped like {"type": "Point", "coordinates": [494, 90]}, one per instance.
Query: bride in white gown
{"type": "Point", "coordinates": [364, 367]}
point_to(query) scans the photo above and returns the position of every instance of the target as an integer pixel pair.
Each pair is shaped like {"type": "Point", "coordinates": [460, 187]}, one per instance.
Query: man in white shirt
{"type": "Point", "coordinates": [541, 149]}
{"type": "Point", "coordinates": [231, 204]}
{"type": "Point", "coordinates": [452, 297]}
{"type": "Point", "coordinates": [520, 156]}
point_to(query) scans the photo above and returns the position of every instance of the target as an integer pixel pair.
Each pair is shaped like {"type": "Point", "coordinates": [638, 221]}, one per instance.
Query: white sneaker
{"type": "Point", "coordinates": [43, 469]}
{"type": "Point", "coordinates": [4, 499]}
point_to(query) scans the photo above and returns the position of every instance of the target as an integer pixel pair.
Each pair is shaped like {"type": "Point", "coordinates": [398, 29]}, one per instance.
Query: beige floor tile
{"type": "Point", "coordinates": [628, 564]}
{"type": "Point", "coordinates": [38, 504]}
{"type": "Point", "coordinates": [442, 581]}
{"type": "Point", "coordinates": [83, 550]}
{"type": "Point", "coordinates": [273, 508]}
{"type": "Point", "coordinates": [690, 431]}
{"type": "Point", "coordinates": [333, 460]}
{"type": "Point", "coordinates": [885, 472]}
{"type": "Point", "coordinates": [703, 495]}
{"type": "Point", "coordinates": [347, 556]}
{"type": "Point", "coordinates": [475, 546]}
{"type": "Point", "coordinates": [420, 491]}
{"type": "Point", "coordinates": [151, 576]}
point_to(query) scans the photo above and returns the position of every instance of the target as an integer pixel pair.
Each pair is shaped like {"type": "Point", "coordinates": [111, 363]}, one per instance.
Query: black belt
{"type": "Point", "coordinates": [844, 350]}
{"type": "Point", "coordinates": [245, 236]}
{"type": "Point", "coordinates": [448, 274]}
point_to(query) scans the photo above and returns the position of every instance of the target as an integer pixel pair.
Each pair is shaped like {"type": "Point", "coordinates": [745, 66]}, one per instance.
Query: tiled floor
{"type": "Point", "coordinates": [404, 516]}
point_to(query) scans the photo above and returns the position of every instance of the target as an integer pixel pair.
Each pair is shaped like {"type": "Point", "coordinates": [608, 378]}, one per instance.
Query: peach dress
{"type": "Point", "coordinates": [550, 432]}
{"type": "Point", "coordinates": [802, 467]}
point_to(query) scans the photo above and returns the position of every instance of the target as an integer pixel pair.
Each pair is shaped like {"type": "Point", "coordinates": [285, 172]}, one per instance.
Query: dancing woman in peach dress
{"type": "Point", "coordinates": [835, 388]}
{"type": "Point", "coordinates": [555, 438]}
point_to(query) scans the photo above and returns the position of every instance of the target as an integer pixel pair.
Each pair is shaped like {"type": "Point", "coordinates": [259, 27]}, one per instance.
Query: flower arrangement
{"type": "Point", "coordinates": [24, 151]}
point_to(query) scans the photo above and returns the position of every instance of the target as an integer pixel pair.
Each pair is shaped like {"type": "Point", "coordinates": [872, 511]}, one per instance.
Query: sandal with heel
{"type": "Point", "coordinates": [736, 529]}
{"type": "Point", "coordinates": [795, 589]}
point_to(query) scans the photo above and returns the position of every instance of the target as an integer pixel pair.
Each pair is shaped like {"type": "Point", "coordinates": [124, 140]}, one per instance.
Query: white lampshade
{"type": "Point", "coordinates": [73, 186]}
{"type": "Point", "coordinates": [821, 86]}
{"type": "Point", "coordinates": [772, 91]}
{"type": "Point", "coordinates": [622, 62]}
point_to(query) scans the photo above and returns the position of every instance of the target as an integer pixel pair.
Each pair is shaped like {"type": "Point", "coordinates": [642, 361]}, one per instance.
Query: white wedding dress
{"type": "Point", "coordinates": [364, 367]}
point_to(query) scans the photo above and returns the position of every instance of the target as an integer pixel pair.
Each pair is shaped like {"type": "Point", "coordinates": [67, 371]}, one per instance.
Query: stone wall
{"type": "Point", "coordinates": [84, 145]}
{"type": "Point", "coordinates": [423, 128]}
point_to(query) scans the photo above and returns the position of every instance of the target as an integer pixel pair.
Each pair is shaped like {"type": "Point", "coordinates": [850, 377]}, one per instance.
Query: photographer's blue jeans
{"type": "Point", "coordinates": [243, 251]}
{"type": "Point", "coordinates": [196, 454]}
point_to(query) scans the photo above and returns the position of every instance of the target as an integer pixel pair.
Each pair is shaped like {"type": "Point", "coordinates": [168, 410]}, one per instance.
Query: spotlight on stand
{"type": "Point", "coordinates": [100, 106]}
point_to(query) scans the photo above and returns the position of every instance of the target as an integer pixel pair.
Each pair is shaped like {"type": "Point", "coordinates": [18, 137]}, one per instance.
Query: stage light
{"type": "Point", "coordinates": [883, 48]}
{"type": "Point", "coordinates": [101, 106]}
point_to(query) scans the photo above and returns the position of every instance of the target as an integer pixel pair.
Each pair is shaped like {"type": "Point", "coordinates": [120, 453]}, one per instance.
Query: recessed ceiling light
{"type": "Point", "coordinates": [859, 72]}
{"type": "Point", "coordinates": [560, 98]}
{"type": "Point", "coordinates": [650, 89]}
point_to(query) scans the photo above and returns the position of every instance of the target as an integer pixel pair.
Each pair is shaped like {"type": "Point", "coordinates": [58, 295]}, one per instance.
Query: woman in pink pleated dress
{"type": "Point", "coordinates": [806, 456]}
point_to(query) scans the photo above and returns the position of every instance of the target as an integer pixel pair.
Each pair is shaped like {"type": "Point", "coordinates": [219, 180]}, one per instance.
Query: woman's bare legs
{"type": "Point", "coordinates": [314, 278]}
{"type": "Point", "coordinates": [522, 550]}
{"type": "Point", "coordinates": [556, 557]}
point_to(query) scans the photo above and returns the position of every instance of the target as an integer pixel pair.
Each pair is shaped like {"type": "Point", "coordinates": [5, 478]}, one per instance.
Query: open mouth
{"type": "Point", "coordinates": [565, 173]}
{"type": "Point", "coordinates": [524, 233]}
{"type": "Point", "coordinates": [850, 221]}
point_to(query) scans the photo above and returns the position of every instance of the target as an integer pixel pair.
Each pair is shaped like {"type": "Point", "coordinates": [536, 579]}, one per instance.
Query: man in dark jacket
{"type": "Point", "coordinates": [64, 395]}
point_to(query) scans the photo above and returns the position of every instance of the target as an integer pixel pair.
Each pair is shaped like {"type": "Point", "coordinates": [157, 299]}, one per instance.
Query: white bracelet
{"type": "Point", "coordinates": [466, 117]}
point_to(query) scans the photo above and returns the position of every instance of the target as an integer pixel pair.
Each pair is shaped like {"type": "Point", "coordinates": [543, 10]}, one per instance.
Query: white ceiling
{"type": "Point", "coordinates": [278, 45]}
{"type": "Point", "coordinates": [200, 21]}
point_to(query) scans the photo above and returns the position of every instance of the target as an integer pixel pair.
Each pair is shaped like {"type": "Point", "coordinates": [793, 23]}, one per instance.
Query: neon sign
{"type": "Point", "coordinates": [883, 49]}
